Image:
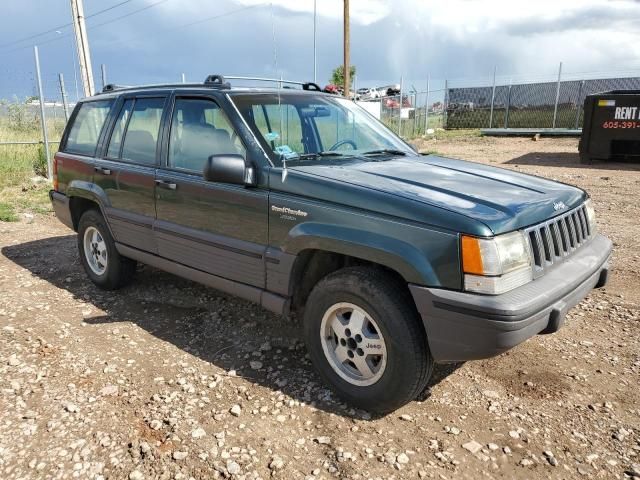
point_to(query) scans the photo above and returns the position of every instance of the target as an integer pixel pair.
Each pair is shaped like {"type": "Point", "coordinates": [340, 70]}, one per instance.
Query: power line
{"type": "Point", "coordinates": [59, 27]}
{"type": "Point", "coordinates": [128, 14]}
{"type": "Point", "coordinates": [65, 35]}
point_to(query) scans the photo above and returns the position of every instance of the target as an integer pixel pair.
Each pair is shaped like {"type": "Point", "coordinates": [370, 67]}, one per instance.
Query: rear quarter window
{"type": "Point", "coordinates": [87, 125]}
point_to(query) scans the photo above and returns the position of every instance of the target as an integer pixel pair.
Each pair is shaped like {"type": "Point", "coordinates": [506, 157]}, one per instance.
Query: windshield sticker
{"type": "Point", "coordinates": [285, 151]}
{"type": "Point", "coordinates": [271, 136]}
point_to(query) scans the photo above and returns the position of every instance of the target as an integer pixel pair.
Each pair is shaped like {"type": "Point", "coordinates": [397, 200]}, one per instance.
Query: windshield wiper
{"type": "Point", "coordinates": [303, 156]}
{"type": "Point", "coordinates": [385, 151]}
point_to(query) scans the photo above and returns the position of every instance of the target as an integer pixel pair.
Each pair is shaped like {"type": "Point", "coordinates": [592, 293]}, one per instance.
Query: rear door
{"type": "Point", "coordinates": [215, 227]}
{"type": "Point", "coordinates": [127, 169]}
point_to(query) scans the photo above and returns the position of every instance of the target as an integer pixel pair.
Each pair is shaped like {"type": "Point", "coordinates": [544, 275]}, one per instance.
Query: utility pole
{"type": "Point", "coordinates": [315, 25]}
{"type": "Point", "coordinates": [82, 43]}
{"type": "Point", "coordinates": [347, 80]}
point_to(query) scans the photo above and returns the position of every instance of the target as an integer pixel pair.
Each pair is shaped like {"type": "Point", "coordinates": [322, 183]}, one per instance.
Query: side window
{"type": "Point", "coordinates": [199, 129]}
{"type": "Point", "coordinates": [85, 131]}
{"type": "Point", "coordinates": [141, 137]}
{"type": "Point", "coordinates": [118, 130]}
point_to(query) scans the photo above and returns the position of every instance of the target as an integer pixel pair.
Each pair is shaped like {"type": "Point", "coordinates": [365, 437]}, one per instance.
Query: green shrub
{"type": "Point", "coordinates": [40, 162]}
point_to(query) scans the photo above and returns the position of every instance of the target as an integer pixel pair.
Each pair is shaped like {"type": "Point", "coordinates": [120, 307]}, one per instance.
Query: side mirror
{"type": "Point", "coordinates": [229, 168]}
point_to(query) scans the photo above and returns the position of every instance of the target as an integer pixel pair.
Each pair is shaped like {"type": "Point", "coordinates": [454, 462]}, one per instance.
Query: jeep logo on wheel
{"type": "Point", "coordinates": [369, 345]}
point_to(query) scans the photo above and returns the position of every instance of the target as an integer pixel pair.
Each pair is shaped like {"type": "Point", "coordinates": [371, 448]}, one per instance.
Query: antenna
{"type": "Point", "coordinates": [283, 157]}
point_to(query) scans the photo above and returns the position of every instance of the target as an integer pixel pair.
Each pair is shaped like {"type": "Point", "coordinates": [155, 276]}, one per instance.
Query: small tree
{"type": "Point", "coordinates": [337, 76]}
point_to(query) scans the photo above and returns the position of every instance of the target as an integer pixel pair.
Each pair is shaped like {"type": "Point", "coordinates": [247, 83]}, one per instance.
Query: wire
{"type": "Point", "coordinates": [129, 14]}
{"type": "Point", "coordinates": [59, 27]}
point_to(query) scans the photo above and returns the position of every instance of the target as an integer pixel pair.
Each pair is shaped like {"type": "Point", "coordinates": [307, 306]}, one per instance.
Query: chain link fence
{"type": "Point", "coordinates": [526, 105]}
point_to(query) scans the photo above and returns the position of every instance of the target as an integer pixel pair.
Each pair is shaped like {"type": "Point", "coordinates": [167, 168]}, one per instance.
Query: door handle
{"type": "Point", "coordinates": [166, 184]}
{"type": "Point", "coordinates": [104, 171]}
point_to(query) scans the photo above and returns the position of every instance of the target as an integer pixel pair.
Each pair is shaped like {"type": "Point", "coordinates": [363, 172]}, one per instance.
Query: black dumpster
{"type": "Point", "coordinates": [611, 129]}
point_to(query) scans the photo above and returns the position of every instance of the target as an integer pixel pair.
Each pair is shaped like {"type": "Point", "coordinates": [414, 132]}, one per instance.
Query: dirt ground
{"type": "Point", "coordinates": [168, 379]}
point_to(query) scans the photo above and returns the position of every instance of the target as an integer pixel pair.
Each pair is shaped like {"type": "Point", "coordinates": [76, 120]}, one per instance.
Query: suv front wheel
{"type": "Point", "coordinates": [366, 340]}
{"type": "Point", "coordinates": [100, 259]}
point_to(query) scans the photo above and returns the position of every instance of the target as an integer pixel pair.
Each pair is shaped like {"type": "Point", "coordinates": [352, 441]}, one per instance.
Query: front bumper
{"type": "Point", "coordinates": [60, 203]}
{"type": "Point", "coordinates": [465, 326]}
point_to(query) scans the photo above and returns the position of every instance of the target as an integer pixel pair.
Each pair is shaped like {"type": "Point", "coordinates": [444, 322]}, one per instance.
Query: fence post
{"type": "Point", "coordinates": [400, 107]}
{"type": "Point", "coordinates": [426, 106]}
{"type": "Point", "coordinates": [555, 108]}
{"type": "Point", "coordinates": [506, 112]}
{"type": "Point", "coordinates": [445, 114]}
{"type": "Point", "coordinates": [103, 69]}
{"type": "Point", "coordinates": [579, 104]}
{"type": "Point", "coordinates": [63, 92]}
{"type": "Point", "coordinates": [43, 120]}
{"type": "Point", "coordinates": [415, 117]}
{"type": "Point", "coordinates": [493, 96]}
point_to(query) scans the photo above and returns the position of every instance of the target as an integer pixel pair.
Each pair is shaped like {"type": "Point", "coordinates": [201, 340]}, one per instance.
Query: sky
{"type": "Point", "coordinates": [152, 41]}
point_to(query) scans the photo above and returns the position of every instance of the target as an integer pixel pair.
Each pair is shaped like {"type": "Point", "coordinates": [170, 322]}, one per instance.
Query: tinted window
{"type": "Point", "coordinates": [199, 129]}
{"type": "Point", "coordinates": [86, 128]}
{"type": "Point", "coordinates": [141, 137]}
{"type": "Point", "coordinates": [118, 130]}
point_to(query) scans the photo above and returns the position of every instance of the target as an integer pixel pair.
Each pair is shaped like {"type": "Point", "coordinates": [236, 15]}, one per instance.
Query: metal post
{"type": "Point", "coordinates": [446, 103]}
{"type": "Point", "coordinates": [63, 92]}
{"type": "Point", "coordinates": [415, 103]}
{"type": "Point", "coordinates": [426, 106]}
{"type": "Point", "coordinates": [400, 107]}
{"type": "Point", "coordinates": [493, 97]}
{"type": "Point", "coordinates": [103, 69]}
{"type": "Point", "coordinates": [43, 120]}
{"type": "Point", "coordinates": [315, 27]}
{"type": "Point", "coordinates": [555, 108]}
{"type": "Point", "coordinates": [184, 78]}
{"type": "Point", "coordinates": [579, 104]}
{"type": "Point", "coordinates": [506, 112]}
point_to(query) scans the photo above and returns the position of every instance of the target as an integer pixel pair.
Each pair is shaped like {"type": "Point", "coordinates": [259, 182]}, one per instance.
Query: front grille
{"type": "Point", "coordinates": [554, 240]}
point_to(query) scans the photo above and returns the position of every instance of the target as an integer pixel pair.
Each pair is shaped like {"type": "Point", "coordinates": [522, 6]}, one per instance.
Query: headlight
{"type": "Point", "coordinates": [496, 265]}
{"type": "Point", "coordinates": [591, 216]}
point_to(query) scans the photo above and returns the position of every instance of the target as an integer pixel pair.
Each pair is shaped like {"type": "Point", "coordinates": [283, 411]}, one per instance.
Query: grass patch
{"type": "Point", "coordinates": [7, 213]}
{"type": "Point", "coordinates": [23, 186]}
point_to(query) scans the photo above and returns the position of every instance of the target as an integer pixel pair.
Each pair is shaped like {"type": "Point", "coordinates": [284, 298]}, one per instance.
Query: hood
{"type": "Point", "coordinates": [501, 199]}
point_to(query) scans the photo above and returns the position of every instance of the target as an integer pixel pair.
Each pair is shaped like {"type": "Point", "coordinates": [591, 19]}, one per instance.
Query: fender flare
{"type": "Point", "coordinates": [389, 252]}
{"type": "Point", "coordinates": [89, 191]}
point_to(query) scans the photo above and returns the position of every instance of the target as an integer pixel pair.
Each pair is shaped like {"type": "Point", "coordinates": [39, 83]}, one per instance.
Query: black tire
{"type": "Point", "coordinates": [385, 299]}
{"type": "Point", "coordinates": [119, 270]}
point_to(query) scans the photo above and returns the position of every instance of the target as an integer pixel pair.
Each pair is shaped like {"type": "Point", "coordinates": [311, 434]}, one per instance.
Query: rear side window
{"type": "Point", "coordinates": [141, 136]}
{"type": "Point", "coordinates": [118, 130]}
{"type": "Point", "coordinates": [87, 125]}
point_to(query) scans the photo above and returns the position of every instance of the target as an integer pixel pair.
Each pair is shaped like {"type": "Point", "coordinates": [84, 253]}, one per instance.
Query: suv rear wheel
{"type": "Point", "coordinates": [100, 259]}
{"type": "Point", "coordinates": [366, 340]}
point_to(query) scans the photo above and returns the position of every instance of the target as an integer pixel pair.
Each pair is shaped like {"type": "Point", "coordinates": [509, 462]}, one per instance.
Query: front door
{"type": "Point", "coordinates": [218, 228]}
{"type": "Point", "coordinates": [126, 172]}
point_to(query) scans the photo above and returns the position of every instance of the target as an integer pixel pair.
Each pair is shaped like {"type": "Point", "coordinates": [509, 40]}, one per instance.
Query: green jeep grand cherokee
{"type": "Point", "coordinates": [304, 203]}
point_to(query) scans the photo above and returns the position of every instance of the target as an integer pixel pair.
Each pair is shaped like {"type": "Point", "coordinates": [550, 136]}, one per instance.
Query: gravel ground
{"type": "Point", "coordinates": [168, 379]}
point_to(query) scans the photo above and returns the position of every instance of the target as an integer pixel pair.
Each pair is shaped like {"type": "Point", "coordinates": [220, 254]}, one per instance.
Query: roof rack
{"type": "Point", "coordinates": [305, 85]}
{"type": "Point", "coordinates": [213, 81]}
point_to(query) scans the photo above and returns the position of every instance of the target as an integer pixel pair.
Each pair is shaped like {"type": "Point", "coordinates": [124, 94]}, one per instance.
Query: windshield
{"type": "Point", "coordinates": [305, 127]}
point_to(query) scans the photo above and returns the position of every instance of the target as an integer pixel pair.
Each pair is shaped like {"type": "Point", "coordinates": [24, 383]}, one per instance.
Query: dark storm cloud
{"type": "Point", "coordinates": [150, 46]}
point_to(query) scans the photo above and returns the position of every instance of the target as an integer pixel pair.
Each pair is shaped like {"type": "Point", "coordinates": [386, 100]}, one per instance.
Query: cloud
{"type": "Point", "coordinates": [454, 39]}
